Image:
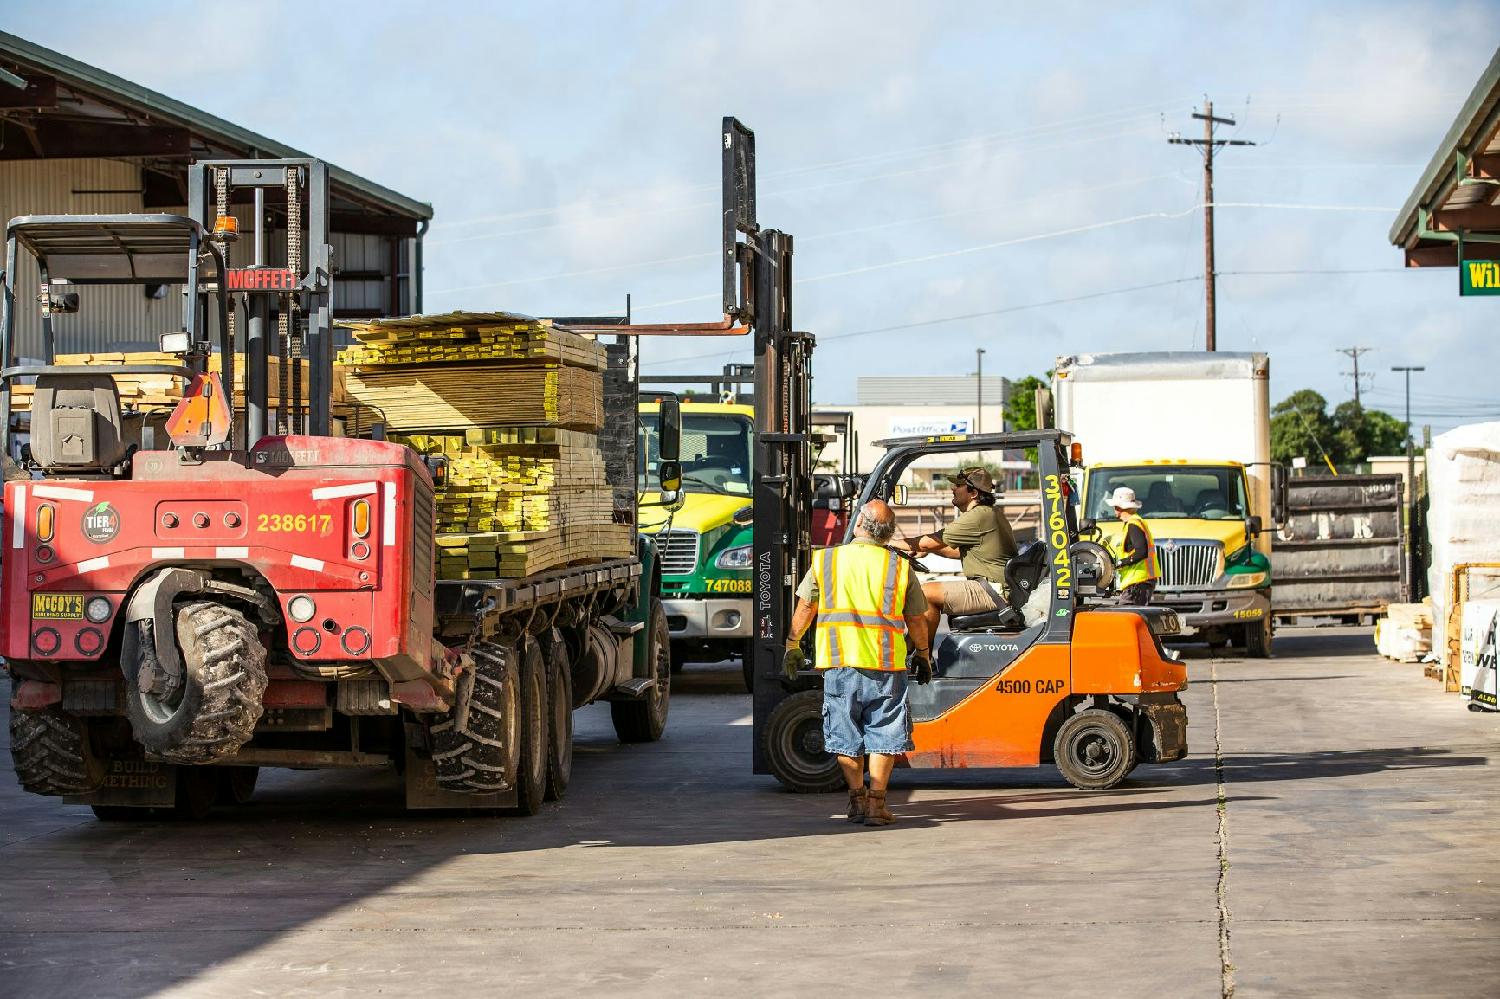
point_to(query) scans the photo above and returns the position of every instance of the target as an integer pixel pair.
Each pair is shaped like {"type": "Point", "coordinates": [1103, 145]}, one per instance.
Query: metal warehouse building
{"type": "Point", "coordinates": [75, 139]}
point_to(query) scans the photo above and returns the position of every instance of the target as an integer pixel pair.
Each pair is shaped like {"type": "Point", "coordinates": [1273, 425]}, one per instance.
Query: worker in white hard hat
{"type": "Point", "coordinates": [1137, 569]}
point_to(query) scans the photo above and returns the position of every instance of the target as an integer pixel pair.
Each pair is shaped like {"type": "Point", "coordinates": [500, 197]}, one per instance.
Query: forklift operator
{"type": "Point", "coordinates": [862, 595]}
{"type": "Point", "coordinates": [981, 539]}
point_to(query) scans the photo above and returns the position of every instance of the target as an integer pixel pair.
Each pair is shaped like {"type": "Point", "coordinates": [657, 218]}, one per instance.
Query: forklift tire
{"type": "Point", "coordinates": [484, 758]}
{"type": "Point", "coordinates": [644, 719]}
{"type": "Point", "coordinates": [50, 751]}
{"type": "Point", "coordinates": [1094, 750]}
{"type": "Point", "coordinates": [1258, 639]}
{"type": "Point", "coordinates": [531, 775]}
{"type": "Point", "coordinates": [237, 784]}
{"type": "Point", "coordinates": [224, 676]}
{"type": "Point", "coordinates": [794, 745]}
{"type": "Point", "coordinates": [560, 715]}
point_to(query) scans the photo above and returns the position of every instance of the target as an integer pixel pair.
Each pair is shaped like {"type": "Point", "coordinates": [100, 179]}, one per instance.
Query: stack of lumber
{"type": "Point", "coordinates": [1405, 633]}
{"type": "Point", "coordinates": [160, 392]}
{"type": "Point", "coordinates": [514, 405]}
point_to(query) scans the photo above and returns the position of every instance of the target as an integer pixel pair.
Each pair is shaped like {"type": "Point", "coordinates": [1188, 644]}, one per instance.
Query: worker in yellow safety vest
{"type": "Point", "coordinates": [864, 596]}
{"type": "Point", "coordinates": [1137, 570]}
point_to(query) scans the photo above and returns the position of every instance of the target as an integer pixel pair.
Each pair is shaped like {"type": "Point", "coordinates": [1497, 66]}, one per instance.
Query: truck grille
{"type": "Point", "coordinates": [678, 551]}
{"type": "Point", "coordinates": [1189, 563]}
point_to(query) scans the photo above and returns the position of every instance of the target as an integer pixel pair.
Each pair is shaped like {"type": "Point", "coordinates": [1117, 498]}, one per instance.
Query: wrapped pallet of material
{"type": "Point", "coordinates": [1463, 484]}
{"type": "Point", "coordinates": [514, 406]}
{"type": "Point", "coordinates": [1405, 632]}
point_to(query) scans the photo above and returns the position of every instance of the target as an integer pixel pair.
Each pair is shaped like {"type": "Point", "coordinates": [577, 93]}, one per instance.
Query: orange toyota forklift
{"type": "Point", "coordinates": [1087, 686]}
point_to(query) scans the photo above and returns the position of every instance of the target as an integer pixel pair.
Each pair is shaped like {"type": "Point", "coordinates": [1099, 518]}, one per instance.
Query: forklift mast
{"type": "Point", "coordinates": [299, 284]}
{"type": "Point", "coordinates": [758, 293]}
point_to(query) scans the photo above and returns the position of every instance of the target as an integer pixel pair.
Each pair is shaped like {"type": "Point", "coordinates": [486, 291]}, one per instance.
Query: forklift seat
{"type": "Point", "coordinates": [75, 423]}
{"type": "Point", "coordinates": [1022, 576]}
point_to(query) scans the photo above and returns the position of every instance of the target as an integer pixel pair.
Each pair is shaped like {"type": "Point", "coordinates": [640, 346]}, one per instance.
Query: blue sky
{"type": "Point", "coordinates": [933, 160]}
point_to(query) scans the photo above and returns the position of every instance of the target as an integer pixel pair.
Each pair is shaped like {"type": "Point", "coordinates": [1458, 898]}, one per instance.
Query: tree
{"type": "Point", "coordinates": [1301, 427]}
{"type": "Point", "coordinates": [1020, 405]}
{"type": "Point", "coordinates": [1364, 433]}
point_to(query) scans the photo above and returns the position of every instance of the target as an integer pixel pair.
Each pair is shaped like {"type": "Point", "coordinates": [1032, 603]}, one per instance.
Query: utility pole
{"type": "Point", "coordinates": [1411, 480]}
{"type": "Point", "coordinates": [1353, 354]}
{"type": "Point", "coordinates": [979, 390]}
{"type": "Point", "coordinates": [1207, 145]}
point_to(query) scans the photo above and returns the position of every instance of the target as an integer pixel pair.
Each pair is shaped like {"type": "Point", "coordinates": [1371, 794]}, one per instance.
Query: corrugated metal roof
{"type": "Point", "coordinates": [1472, 133]}
{"type": "Point", "coordinates": [160, 106]}
{"type": "Point", "coordinates": [928, 390]}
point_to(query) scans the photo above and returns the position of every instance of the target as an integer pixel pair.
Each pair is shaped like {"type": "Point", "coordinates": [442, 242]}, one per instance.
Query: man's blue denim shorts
{"type": "Point", "coordinates": [864, 711]}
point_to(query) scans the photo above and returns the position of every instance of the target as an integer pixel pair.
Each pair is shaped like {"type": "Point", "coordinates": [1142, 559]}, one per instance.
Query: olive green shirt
{"type": "Point", "coordinates": [984, 542]}
{"type": "Point", "coordinates": [913, 606]}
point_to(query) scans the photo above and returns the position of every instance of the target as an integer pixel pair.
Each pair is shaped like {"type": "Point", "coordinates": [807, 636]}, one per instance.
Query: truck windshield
{"type": "Point", "coordinates": [1205, 493]}
{"type": "Point", "coordinates": [715, 453]}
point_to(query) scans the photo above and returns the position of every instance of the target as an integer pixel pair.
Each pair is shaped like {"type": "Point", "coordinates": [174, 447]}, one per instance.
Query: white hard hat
{"type": "Point", "coordinates": [1123, 498]}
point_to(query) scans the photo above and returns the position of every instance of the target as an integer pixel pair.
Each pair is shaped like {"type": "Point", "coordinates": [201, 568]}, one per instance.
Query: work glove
{"type": "Point", "coordinates": [794, 660]}
{"type": "Point", "coordinates": [920, 666]}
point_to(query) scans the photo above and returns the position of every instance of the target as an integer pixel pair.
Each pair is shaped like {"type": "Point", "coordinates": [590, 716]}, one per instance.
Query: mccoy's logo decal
{"type": "Point", "coordinates": [101, 523]}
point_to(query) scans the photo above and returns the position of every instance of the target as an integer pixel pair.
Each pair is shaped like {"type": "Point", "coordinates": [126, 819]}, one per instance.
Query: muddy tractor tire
{"type": "Point", "coordinates": [51, 753]}
{"type": "Point", "coordinates": [214, 708]}
{"type": "Point", "coordinates": [484, 756]}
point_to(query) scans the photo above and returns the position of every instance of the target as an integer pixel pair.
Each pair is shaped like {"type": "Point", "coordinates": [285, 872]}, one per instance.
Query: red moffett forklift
{"type": "Point", "coordinates": [185, 603]}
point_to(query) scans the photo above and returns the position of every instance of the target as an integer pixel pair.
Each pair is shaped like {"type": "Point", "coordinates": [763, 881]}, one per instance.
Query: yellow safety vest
{"type": "Point", "coordinates": [861, 592]}
{"type": "Point", "coordinates": [1146, 569]}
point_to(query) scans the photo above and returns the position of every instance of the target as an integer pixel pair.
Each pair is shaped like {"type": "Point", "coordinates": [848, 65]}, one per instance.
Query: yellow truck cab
{"type": "Point", "coordinates": [1215, 569]}
{"type": "Point", "coordinates": [705, 545]}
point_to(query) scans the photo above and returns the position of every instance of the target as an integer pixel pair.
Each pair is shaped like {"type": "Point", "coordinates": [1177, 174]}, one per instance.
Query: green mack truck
{"type": "Point", "coordinates": [705, 544]}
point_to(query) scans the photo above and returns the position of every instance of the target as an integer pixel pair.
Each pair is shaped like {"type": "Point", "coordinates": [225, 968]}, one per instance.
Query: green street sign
{"type": "Point", "coordinates": [1479, 277]}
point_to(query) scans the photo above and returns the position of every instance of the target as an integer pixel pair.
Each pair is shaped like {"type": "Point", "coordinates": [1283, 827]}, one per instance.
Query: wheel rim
{"type": "Point", "coordinates": [1095, 751]}
{"type": "Point", "coordinates": [662, 692]}
{"type": "Point", "coordinates": [800, 748]}
{"type": "Point", "coordinates": [159, 710]}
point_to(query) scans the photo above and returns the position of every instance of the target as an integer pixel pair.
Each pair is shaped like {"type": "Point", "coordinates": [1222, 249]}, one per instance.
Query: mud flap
{"type": "Point", "coordinates": [1167, 722]}
{"type": "Point", "coordinates": [133, 784]}
{"type": "Point", "coordinates": [424, 792]}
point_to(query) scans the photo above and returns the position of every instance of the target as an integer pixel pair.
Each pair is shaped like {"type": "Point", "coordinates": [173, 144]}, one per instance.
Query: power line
{"type": "Point", "coordinates": [919, 324]}
{"type": "Point", "coordinates": [1208, 146]}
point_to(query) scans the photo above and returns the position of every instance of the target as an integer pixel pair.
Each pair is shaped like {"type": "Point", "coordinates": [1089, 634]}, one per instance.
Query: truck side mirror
{"type": "Point", "coordinates": [1086, 525]}
{"type": "Point", "coordinates": [669, 433]}
{"type": "Point", "coordinates": [1279, 494]}
{"type": "Point", "coordinates": [1252, 526]}
{"type": "Point", "coordinates": [669, 474]}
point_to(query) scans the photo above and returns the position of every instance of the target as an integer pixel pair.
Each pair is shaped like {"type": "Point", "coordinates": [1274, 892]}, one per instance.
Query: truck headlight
{"type": "Point", "coordinates": [738, 557]}
{"type": "Point", "coordinates": [1246, 580]}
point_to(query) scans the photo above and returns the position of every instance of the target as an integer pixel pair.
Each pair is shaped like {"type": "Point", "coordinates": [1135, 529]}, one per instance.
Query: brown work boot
{"type": "Point", "coordinates": [857, 805]}
{"type": "Point", "coordinates": [876, 814]}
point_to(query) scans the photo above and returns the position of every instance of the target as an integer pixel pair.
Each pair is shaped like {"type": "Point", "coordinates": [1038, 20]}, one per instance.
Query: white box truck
{"type": "Point", "coordinates": [1190, 432]}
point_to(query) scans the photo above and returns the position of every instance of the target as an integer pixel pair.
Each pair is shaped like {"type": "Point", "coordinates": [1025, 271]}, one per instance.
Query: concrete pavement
{"type": "Point", "coordinates": [1359, 804]}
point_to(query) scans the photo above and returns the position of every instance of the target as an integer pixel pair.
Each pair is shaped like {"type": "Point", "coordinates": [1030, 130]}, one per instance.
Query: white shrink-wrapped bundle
{"type": "Point", "coordinates": [1463, 522]}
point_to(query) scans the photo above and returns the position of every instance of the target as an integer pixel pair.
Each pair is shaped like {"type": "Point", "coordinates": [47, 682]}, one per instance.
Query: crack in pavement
{"type": "Point", "coordinates": [1221, 888]}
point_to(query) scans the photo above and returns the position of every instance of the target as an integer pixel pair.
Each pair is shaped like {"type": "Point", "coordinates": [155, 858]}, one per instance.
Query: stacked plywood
{"type": "Point", "coordinates": [513, 404]}
{"type": "Point", "coordinates": [153, 393]}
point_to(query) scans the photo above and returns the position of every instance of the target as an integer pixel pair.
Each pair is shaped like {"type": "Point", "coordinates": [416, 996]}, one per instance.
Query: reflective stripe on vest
{"type": "Point", "coordinates": [861, 592]}
{"type": "Point", "coordinates": [1146, 569]}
